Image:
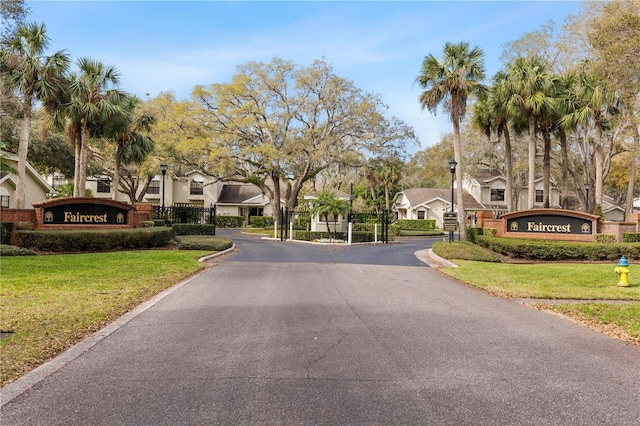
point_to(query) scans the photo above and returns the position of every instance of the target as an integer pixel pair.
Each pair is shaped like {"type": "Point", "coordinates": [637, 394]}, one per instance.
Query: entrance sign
{"type": "Point", "coordinates": [84, 213]}
{"type": "Point", "coordinates": [549, 224]}
{"type": "Point", "coordinates": [554, 224]}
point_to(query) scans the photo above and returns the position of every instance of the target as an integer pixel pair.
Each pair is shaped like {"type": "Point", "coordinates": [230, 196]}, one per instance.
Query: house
{"type": "Point", "coordinates": [430, 203]}
{"type": "Point", "coordinates": [242, 199]}
{"type": "Point", "coordinates": [36, 186]}
{"type": "Point", "coordinates": [196, 190]}
{"type": "Point", "coordinates": [488, 188]}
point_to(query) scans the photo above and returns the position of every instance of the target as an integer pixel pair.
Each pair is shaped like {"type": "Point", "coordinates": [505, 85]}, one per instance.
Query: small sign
{"type": "Point", "coordinates": [450, 226]}
{"type": "Point", "coordinates": [450, 216]}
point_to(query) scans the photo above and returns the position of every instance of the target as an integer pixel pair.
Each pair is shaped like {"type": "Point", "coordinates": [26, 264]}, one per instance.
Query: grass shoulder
{"type": "Point", "coordinates": [51, 302]}
{"type": "Point", "coordinates": [592, 284]}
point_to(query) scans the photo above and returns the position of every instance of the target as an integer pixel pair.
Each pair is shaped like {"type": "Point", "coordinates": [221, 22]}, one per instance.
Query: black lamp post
{"type": "Point", "coordinates": [163, 169]}
{"type": "Point", "coordinates": [452, 167]}
{"type": "Point", "coordinates": [587, 186]}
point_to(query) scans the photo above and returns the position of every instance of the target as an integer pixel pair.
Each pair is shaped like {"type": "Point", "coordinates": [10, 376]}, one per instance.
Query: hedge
{"type": "Point", "coordinates": [261, 221]}
{"type": "Point", "coordinates": [7, 250]}
{"type": "Point", "coordinates": [95, 240]}
{"type": "Point", "coordinates": [631, 237]}
{"type": "Point", "coordinates": [558, 250]}
{"type": "Point", "coordinates": [417, 224]}
{"type": "Point", "coordinates": [229, 221]}
{"type": "Point", "coordinates": [356, 237]}
{"type": "Point", "coordinates": [193, 229]}
{"type": "Point", "coordinates": [203, 242]}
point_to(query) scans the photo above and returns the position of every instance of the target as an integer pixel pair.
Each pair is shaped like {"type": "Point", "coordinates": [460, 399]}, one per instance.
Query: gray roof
{"type": "Point", "coordinates": [236, 193]}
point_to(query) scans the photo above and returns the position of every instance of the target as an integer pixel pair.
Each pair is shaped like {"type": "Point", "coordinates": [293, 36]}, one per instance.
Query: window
{"type": "Point", "coordinates": [421, 214]}
{"type": "Point", "coordinates": [539, 196]}
{"type": "Point", "coordinates": [196, 188]}
{"type": "Point", "coordinates": [497, 194]}
{"type": "Point", "coordinates": [154, 187]}
{"type": "Point", "coordinates": [4, 201]}
{"type": "Point", "coordinates": [104, 186]}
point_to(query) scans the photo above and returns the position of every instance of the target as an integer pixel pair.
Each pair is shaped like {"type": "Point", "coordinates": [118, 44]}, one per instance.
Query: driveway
{"type": "Point", "coordinates": [310, 339]}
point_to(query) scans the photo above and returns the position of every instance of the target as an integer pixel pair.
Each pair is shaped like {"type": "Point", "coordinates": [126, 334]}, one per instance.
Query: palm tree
{"type": "Point", "coordinates": [328, 205]}
{"type": "Point", "coordinates": [594, 102]}
{"type": "Point", "coordinates": [35, 77]}
{"type": "Point", "coordinates": [529, 91]}
{"type": "Point", "coordinates": [94, 102]}
{"type": "Point", "coordinates": [388, 175]}
{"type": "Point", "coordinates": [566, 104]}
{"type": "Point", "coordinates": [450, 82]}
{"type": "Point", "coordinates": [491, 115]}
{"type": "Point", "coordinates": [132, 147]}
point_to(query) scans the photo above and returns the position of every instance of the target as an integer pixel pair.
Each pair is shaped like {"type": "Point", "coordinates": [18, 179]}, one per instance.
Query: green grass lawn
{"type": "Point", "coordinates": [589, 283]}
{"type": "Point", "coordinates": [48, 303]}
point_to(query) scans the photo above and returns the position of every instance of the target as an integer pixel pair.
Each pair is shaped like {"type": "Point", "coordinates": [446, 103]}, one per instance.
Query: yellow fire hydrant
{"type": "Point", "coordinates": [622, 272]}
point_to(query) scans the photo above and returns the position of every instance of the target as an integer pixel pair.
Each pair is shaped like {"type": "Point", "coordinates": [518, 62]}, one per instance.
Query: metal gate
{"type": "Point", "coordinates": [362, 221]}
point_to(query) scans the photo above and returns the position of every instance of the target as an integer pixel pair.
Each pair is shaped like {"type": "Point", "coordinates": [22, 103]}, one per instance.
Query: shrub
{"type": "Point", "coordinates": [631, 237]}
{"type": "Point", "coordinates": [229, 221]}
{"type": "Point", "coordinates": [318, 235]}
{"type": "Point", "coordinates": [95, 240]}
{"type": "Point", "coordinates": [7, 250]}
{"type": "Point", "coordinates": [261, 221]}
{"type": "Point", "coordinates": [148, 223]}
{"type": "Point", "coordinates": [558, 250]}
{"type": "Point", "coordinates": [464, 250]}
{"type": "Point", "coordinates": [193, 229]}
{"type": "Point", "coordinates": [604, 238]}
{"type": "Point", "coordinates": [472, 232]}
{"type": "Point", "coordinates": [203, 242]}
{"type": "Point", "coordinates": [417, 224]}
{"type": "Point", "coordinates": [159, 222]}
{"type": "Point", "coordinates": [6, 229]}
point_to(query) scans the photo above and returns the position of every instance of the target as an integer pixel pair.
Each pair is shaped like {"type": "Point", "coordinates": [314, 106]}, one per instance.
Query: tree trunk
{"type": "Point", "coordinates": [23, 149]}
{"type": "Point", "coordinates": [457, 154]}
{"type": "Point", "coordinates": [84, 153]}
{"type": "Point", "coordinates": [546, 169]}
{"type": "Point", "coordinates": [531, 192]}
{"type": "Point", "coordinates": [599, 163]}
{"type": "Point", "coordinates": [635, 152]}
{"type": "Point", "coordinates": [76, 171]}
{"type": "Point", "coordinates": [564, 190]}
{"type": "Point", "coordinates": [508, 169]}
{"type": "Point", "coordinates": [115, 182]}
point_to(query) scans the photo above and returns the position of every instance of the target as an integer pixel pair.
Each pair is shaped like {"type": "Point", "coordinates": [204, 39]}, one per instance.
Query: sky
{"type": "Point", "coordinates": [172, 46]}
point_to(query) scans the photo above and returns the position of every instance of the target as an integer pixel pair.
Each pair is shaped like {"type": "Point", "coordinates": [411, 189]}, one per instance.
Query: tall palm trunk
{"type": "Point", "coordinates": [546, 168]}
{"type": "Point", "coordinates": [115, 182]}
{"type": "Point", "coordinates": [23, 149]}
{"type": "Point", "coordinates": [564, 190]}
{"type": "Point", "coordinates": [457, 149]}
{"type": "Point", "coordinates": [84, 153]}
{"type": "Point", "coordinates": [508, 169]}
{"type": "Point", "coordinates": [635, 152]}
{"type": "Point", "coordinates": [599, 163]}
{"type": "Point", "coordinates": [531, 196]}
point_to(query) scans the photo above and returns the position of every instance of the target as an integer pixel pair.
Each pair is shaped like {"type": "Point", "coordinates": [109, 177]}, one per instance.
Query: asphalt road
{"type": "Point", "coordinates": [309, 339]}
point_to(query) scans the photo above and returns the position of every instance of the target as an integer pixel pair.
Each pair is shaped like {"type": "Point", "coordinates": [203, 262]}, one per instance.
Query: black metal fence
{"type": "Point", "coordinates": [186, 213]}
{"type": "Point", "coordinates": [363, 221]}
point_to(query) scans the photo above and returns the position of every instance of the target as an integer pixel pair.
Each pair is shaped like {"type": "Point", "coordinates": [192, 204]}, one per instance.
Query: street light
{"type": "Point", "coordinates": [163, 169]}
{"type": "Point", "coordinates": [452, 166]}
{"type": "Point", "coordinates": [587, 186]}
